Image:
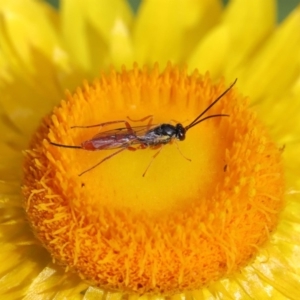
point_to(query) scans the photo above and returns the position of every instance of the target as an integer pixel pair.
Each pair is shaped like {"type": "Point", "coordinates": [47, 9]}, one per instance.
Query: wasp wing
{"type": "Point", "coordinates": [136, 130]}
{"type": "Point", "coordinates": [121, 137]}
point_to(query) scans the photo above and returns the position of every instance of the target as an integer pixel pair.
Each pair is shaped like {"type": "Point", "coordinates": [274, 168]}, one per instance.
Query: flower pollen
{"type": "Point", "coordinates": [183, 225]}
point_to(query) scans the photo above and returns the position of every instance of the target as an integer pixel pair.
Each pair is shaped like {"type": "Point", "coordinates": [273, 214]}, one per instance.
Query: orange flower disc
{"type": "Point", "coordinates": [185, 223]}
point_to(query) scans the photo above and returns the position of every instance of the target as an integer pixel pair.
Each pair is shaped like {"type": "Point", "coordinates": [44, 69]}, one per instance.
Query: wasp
{"type": "Point", "coordinates": [139, 137]}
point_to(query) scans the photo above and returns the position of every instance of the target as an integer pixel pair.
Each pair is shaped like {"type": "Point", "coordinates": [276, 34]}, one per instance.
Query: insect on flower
{"type": "Point", "coordinates": [139, 137]}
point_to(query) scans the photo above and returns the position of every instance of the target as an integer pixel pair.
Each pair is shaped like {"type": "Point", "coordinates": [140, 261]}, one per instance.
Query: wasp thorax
{"type": "Point", "coordinates": [166, 130]}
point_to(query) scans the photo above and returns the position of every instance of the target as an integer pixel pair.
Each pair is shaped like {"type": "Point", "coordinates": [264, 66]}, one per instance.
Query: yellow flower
{"type": "Point", "coordinates": [249, 244]}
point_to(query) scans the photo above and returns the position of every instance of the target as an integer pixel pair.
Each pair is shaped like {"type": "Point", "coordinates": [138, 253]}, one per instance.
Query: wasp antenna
{"type": "Point", "coordinates": [208, 117]}
{"type": "Point", "coordinates": [209, 107]}
{"type": "Point", "coordinates": [65, 146]}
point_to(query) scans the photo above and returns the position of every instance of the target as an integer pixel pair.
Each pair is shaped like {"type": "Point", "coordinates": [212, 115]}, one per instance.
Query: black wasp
{"type": "Point", "coordinates": [139, 137]}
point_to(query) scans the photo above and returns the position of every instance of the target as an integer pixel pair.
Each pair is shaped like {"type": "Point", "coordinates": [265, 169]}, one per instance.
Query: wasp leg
{"type": "Point", "coordinates": [101, 124]}
{"type": "Point", "coordinates": [103, 160]}
{"type": "Point", "coordinates": [141, 120]}
{"type": "Point", "coordinates": [108, 157]}
{"type": "Point", "coordinates": [150, 117]}
{"type": "Point", "coordinates": [181, 152]}
{"type": "Point", "coordinates": [129, 128]}
{"type": "Point", "coordinates": [153, 157]}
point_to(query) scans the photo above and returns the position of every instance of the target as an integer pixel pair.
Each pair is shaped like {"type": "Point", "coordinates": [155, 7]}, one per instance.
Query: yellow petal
{"type": "Point", "coordinates": [166, 30]}
{"type": "Point", "coordinates": [276, 66]}
{"type": "Point", "coordinates": [249, 22]}
{"type": "Point", "coordinates": [95, 293]}
{"type": "Point", "coordinates": [114, 27]}
{"type": "Point", "coordinates": [74, 32]}
{"type": "Point", "coordinates": [35, 68]}
{"type": "Point", "coordinates": [29, 43]}
{"type": "Point", "coordinates": [275, 110]}
{"type": "Point", "coordinates": [211, 53]}
{"type": "Point", "coordinates": [52, 283]}
{"type": "Point", "coordinates": [25, 25]}
{"type": "Point", "coordinates": [296, 87]}
{"type": "Point", "coordinates": [24, 104]}
{"type": "Point", "coordinates": [95, 42]}
{"type": "Point", "coordinates": [2, 61]}
{"type": "Point", "coordinates": [243, 27]}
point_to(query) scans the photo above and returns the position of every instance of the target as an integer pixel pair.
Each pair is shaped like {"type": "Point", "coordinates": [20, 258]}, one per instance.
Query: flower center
{"type": "Point", "coordinates": [184, 223]}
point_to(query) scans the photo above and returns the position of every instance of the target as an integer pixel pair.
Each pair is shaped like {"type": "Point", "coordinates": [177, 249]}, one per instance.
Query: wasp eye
{"type": "Point", "coordinates": [182, 136]}
{"type": "Point", "coordinates": [180, 132]}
